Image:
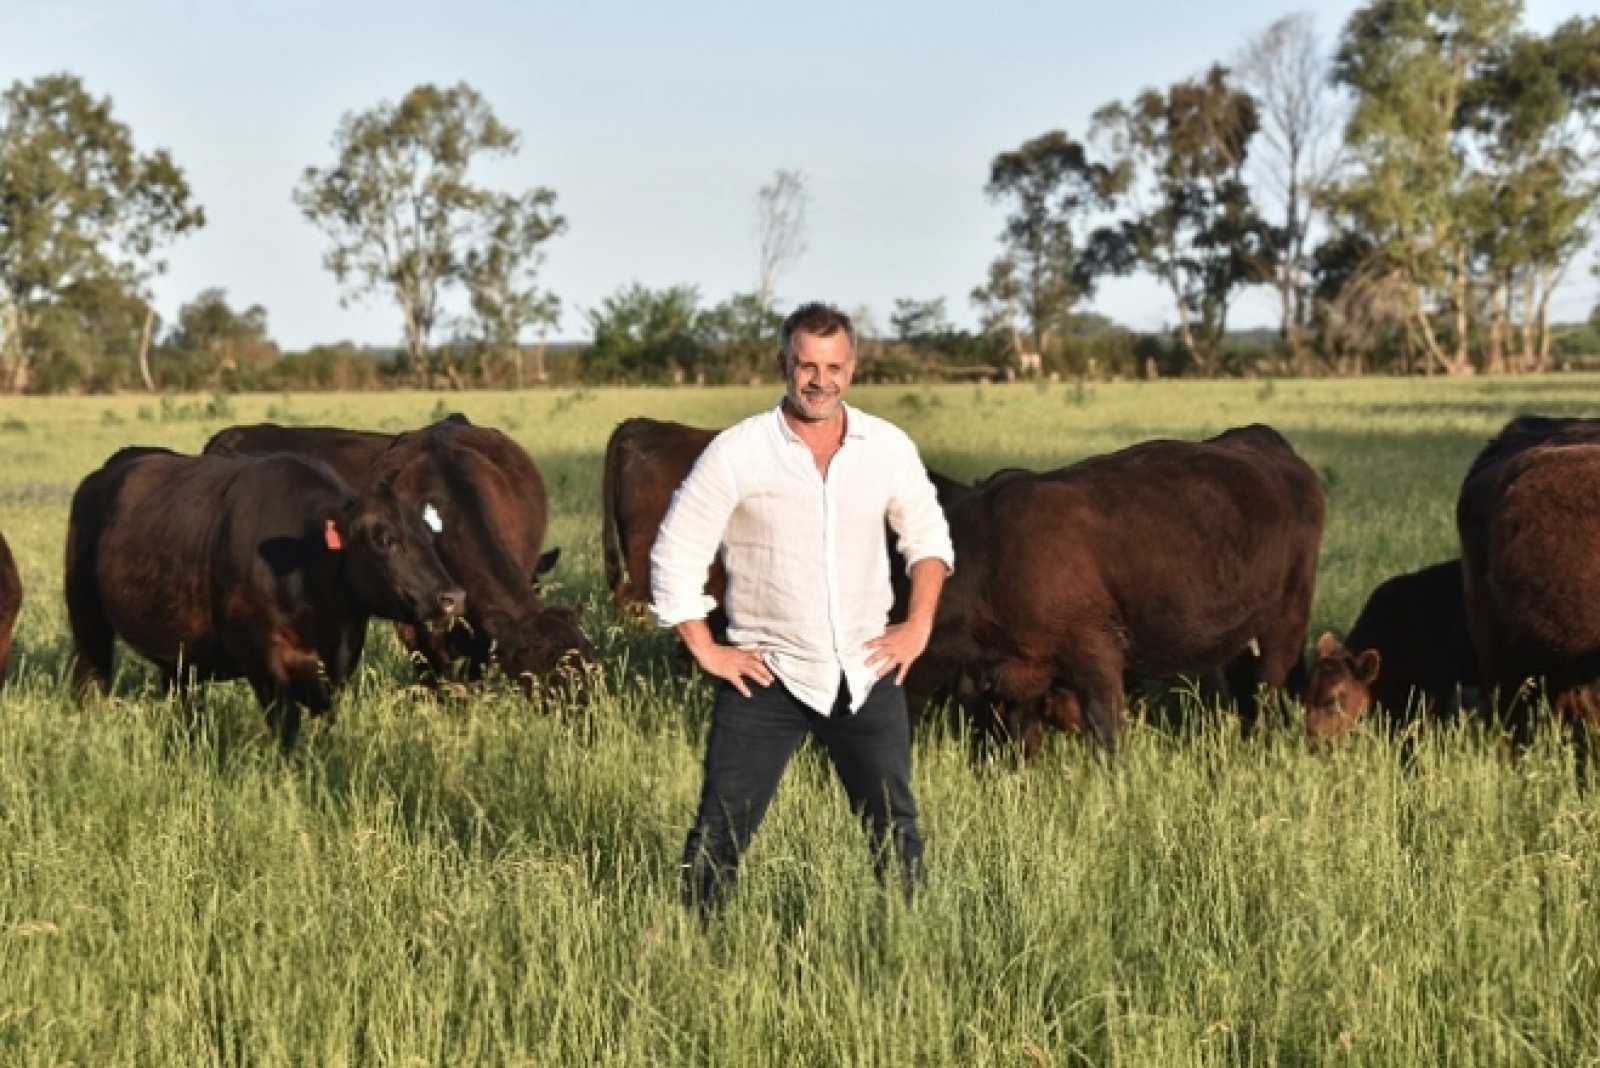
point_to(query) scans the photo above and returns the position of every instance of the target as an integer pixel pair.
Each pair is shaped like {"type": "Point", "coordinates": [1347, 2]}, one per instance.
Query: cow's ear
{"type": "Point", "coordinates": [331, 537]}
{"type": "Point", "coordinates": [1367, 665]}
{"type": "Point", "coordinates": [547, 562]}
{"type": "Point", "coordinates": [1328, 645]}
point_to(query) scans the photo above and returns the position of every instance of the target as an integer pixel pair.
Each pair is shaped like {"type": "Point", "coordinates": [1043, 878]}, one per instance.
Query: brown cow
{"type": "Point", "coordinates": [1408, 652]}
{"type": "Point", "coordinates": [1165, 558]}
{"type": "Point", "coordinates": [646, 460]}
{"type": "Point", "coordinates": [488, 499]}
{"type": "Point", "coordinates": [1529, 520]}
{"type": "Point", "coordinates": [10, 603]}
{"type": "Point", "coordinates": [261, 567]}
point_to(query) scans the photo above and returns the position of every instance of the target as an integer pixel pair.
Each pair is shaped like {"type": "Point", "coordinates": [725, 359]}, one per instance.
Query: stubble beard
{"type": "Point", "coordinates": [815, 408]}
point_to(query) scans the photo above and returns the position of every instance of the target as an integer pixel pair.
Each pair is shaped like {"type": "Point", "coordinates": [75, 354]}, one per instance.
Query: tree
{"type": "Point", "coordinates": [1533, 108]}
{"type": "Point", "coordinates": [1051, 187]}
{"type": "Point", "coordinates": [1287, 71]}
{"type": "Point", "coordinates": [1409, 64]}
{"type": "Point", "coordinates": [740, 336]}
{"type": "Point", "coordinates": [501, 274]}
{"type": "Point", "coordinates": [1180, 159]}
{"type": "Point", "coordinates": [399, 207]}
{"type": "Point", "coordinates": [645, 335]}
{"type": "Point", "coordinates": [781, 207]}
{"type": "Point", "coordinates": [80, 208]}
{"type": "Point", "coordinates": [915, 321]}
{"type": "Point", "coordinates": [215, 346]}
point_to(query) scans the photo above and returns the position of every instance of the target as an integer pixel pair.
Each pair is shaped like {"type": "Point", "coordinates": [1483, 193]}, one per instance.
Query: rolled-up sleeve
{"type": "Point", "coordinates": [914, 513]}
{"type": "Point", "coordinates": [688, 539]}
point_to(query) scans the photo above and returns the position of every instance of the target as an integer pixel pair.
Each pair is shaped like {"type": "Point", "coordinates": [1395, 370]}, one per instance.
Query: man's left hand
{"type": "Point", "coordinates": [899, 646]}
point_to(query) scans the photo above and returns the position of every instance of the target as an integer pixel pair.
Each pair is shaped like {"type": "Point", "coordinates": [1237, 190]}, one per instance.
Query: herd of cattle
{"type": "Point", "coordinates": [265, 556]}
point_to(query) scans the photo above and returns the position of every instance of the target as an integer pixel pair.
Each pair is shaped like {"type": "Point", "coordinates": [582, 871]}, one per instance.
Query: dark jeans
{"type": "Point", "coordinates": [751, 742]}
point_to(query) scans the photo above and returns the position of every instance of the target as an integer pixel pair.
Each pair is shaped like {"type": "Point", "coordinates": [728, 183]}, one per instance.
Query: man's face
{"type": "Point", "coordinates": [818, 375]}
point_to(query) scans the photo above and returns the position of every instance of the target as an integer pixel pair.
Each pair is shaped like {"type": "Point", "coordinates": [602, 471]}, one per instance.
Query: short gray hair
{"type": "Point", "coordinates": [817, 319]}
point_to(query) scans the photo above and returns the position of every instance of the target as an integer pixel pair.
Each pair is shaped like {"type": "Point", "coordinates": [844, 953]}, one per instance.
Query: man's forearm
{"type": "Point", "coordinates": [927, 580]}
{"type": "Point", "coordinates": [696, 636]}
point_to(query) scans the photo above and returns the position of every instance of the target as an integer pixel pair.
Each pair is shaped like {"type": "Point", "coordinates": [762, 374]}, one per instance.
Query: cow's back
{"type": "Point", "coordinates": [350, 453]}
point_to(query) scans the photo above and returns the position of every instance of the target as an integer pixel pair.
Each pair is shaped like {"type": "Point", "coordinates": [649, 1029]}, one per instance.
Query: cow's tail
{"type": "Point", "coordinates": [92, 634]}
{"type": "Point", "coordinates": [10, 603]}
{"type": "Point", "coordinates": [610, 536]}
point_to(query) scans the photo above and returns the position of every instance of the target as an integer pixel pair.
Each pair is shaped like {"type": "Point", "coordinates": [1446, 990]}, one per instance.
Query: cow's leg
{"type": "Point", "coordinates": [288, 677]}
{"type": "Point", "coordinates": [283, 714]}
{"type": "Point", "coordinates": [1244, 677]}
{"type": "Point", "coordinates": [92, 634]}
{"type": "Point", "coordinates": [1107, 712]}
{"type": "Point", "coordinates": [1096, 686]}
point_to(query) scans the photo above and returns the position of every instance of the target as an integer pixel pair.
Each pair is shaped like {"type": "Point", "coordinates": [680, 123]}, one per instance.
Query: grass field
{"type": "Point", "coordinates": [445, 879]}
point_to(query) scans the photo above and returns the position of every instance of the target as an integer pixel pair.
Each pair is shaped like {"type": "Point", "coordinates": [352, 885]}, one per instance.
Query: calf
{"type": "Point", "coordinates": [262, 568]}
{"type": "Point", "coordinates": [1408, 652]}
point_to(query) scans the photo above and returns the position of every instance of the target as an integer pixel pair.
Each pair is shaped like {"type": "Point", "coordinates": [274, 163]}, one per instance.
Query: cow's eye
{"type": "Point", "coordinates": [386, 539]}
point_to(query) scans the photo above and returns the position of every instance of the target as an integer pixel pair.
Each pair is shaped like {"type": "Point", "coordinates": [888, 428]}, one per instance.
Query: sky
{"type": "Point", "coordinates": [654, 123]}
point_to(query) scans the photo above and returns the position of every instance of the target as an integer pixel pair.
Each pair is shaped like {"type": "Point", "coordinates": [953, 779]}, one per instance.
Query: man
{"type": "Point", "coordinates": [796, 498]}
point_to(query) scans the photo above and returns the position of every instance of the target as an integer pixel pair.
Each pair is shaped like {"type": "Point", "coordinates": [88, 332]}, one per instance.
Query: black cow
{"type": "Point", "coordinates": [1166, 558]}
{"type": "Point", "coordinates": [266, 568]}
{"type": "Point", "coordinates": [487, 499]}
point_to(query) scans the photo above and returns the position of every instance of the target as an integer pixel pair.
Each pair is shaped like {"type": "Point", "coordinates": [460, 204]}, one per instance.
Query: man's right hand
{"type": "Point", "coordinates": [727, 662]}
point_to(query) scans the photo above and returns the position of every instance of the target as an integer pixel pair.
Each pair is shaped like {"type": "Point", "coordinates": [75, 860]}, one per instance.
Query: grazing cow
{"type": "Point", "coordinates": [486, 499]}
{"type": "Point", "coordinates": [1409, 652]}
{"type": "Point", "coordinates": [645, 462]}
{"type": "Point", "coordinates": [266, 568]}
{"type": "Point", "coordinates": [1166, 558]}
{"type": "Point", "coordinates": [1529, 520]}
{"type": "Point", "coordinates": [10, 603]}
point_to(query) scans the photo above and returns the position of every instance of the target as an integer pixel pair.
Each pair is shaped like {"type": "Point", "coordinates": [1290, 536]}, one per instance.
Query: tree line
{"type": "Point", "coordinates": [1412, 194]}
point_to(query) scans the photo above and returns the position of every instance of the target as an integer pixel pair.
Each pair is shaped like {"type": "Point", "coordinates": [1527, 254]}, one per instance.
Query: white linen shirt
{"type": "Point", "coordinates": [808, 578]}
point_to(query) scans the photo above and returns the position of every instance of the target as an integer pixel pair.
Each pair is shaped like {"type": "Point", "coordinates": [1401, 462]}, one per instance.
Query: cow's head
{"type": "Point", "coordinates": [1339, 692]}
{"type": "Point", "coordinates": [390, 560]}
{"type": "Point", "coordinates": [540, 644]}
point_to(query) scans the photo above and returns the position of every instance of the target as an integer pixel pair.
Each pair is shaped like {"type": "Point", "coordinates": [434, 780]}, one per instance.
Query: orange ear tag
{"type": "Point", "coordinates": [330, 534]}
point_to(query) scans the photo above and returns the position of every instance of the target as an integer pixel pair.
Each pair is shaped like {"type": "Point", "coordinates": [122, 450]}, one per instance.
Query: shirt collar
{"type": "Point", "coordinates": [855, 423]}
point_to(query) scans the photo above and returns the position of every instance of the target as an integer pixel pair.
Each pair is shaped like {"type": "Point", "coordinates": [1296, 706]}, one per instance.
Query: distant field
{"type": "Point", "coordinates": [439, 879]}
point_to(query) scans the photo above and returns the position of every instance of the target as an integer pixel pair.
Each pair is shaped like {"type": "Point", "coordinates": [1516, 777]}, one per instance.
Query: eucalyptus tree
{"type": "Point", "coordinates": [1535, 108]}
{"type": "Point", "coordinates": [501, 272]}
{"type": "Point", "coordinates": [1052, 188]}
{"type": "Point", "coordinates": [1411, 186]}
{"type": "Point", "coordinates": [80, 209]}
{"type": "Point", "coordinates": [782, 206]}
{"type": "Point", "coordinates": [1286, 69]}
{"type": "Point", "coordinates": [1178, 156]}
{"type": "Point", "coordinates": [400, 208]}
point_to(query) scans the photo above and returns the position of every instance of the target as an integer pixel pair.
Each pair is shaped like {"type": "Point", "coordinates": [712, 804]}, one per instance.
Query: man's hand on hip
{"type": "Point", "coordinates": [733, 665]}
{"type": "Point", "coordinates": [896, 649]}
{"type": "Point", "coordinates": [726, 662]}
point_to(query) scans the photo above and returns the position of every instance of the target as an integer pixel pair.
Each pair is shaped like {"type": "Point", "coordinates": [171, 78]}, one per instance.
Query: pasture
{"type": "Point", "coordinates": [470, 878]}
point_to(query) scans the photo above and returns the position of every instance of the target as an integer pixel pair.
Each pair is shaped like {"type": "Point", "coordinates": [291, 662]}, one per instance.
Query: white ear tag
{"type": "Point", "coordinates": [430, 516]}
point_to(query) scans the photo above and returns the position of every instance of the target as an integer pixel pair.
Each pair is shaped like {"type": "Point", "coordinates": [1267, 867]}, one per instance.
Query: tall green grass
{"type": "Point", "coordinates": [444, 878]}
